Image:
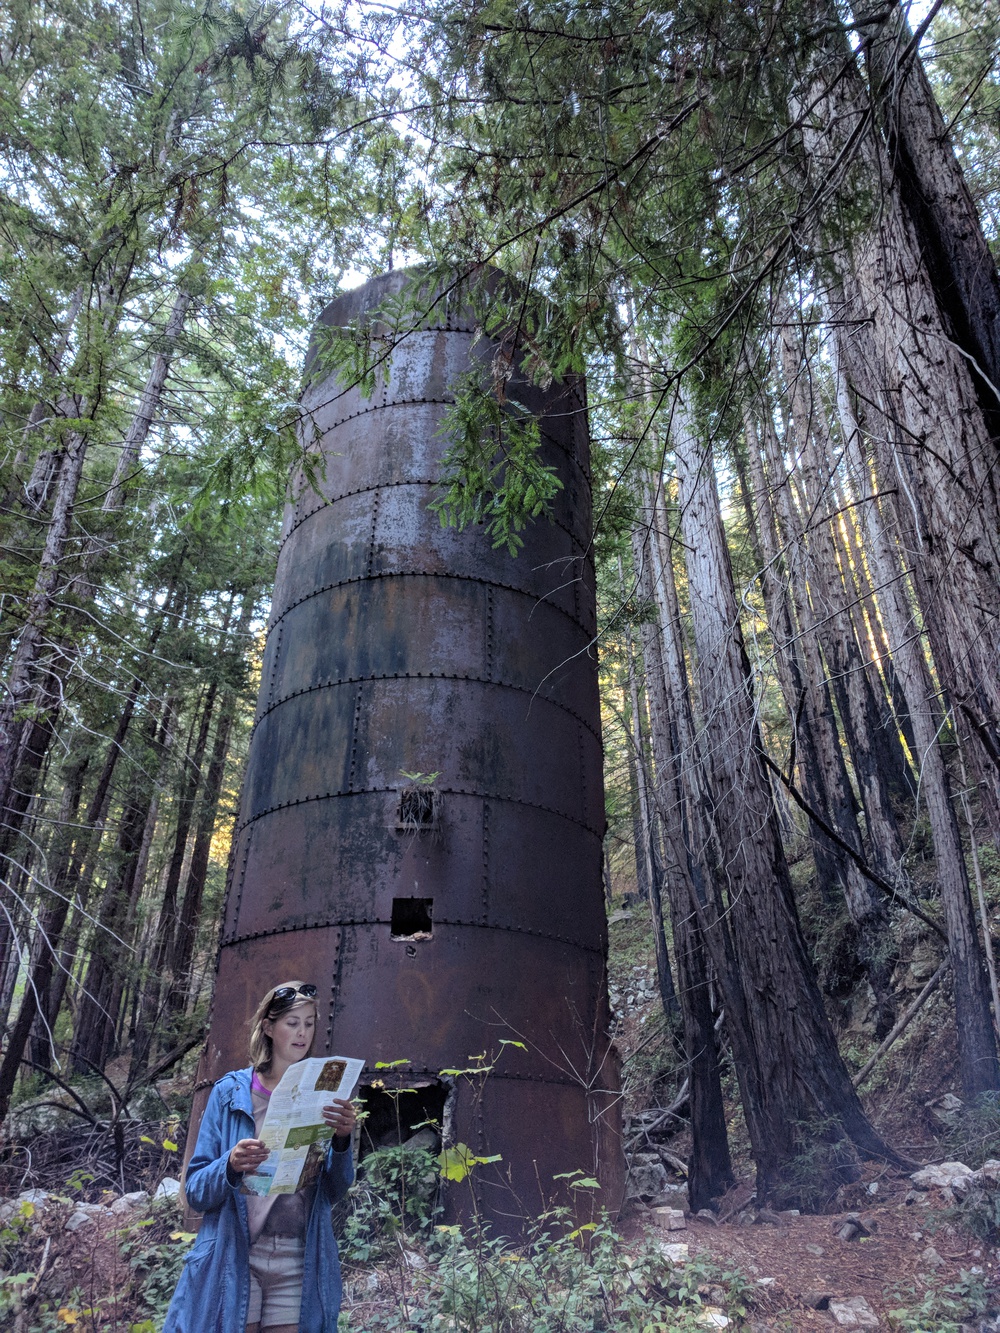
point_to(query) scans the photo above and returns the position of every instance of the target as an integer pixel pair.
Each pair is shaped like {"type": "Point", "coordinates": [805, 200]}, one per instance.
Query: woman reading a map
{"type": "Point", "coordinates": [265, 1261]}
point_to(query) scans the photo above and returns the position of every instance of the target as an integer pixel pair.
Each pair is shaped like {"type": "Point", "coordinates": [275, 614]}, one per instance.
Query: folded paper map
{"type": "Point", "coordinates": [294, 1129]}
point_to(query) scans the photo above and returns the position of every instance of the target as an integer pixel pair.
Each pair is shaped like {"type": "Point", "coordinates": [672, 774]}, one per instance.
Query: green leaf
{"type": "Point", "coordinates": [456, 1163]}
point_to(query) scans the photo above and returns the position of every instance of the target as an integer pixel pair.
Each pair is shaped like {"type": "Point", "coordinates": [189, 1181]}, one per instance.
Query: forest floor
{"type": "Point", "coordinates": [915, 1273]}
{"type": "Point", "coordinates": [916, 1266]}
{"type": "Point", "coordinates": [915, 1256]}
{"type": "Point", "coordinates": [918, 1272]}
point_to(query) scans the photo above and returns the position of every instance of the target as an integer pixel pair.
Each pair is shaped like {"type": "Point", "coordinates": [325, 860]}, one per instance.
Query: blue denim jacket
{"type": "Point", "coordinates": [213, 1293]}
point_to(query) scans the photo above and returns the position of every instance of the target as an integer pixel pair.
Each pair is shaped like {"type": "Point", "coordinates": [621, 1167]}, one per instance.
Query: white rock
{"type": "Point", "coordinates": [988, 1174]}
{"type": "Point", "coordinates": [647, 1177]}
{"type": "Point", "coordinates": [414, 1260]}
{"type": "Point", "coordinates": [853, 1312]}
{"type": "Point", "coordinates": [80, 1217]}
{"type": "Point", "coordinates": [713, 1318]}
{"type": "Point", "coordinates": [931, 1256]}
{"type": "Point", "coordinates": [945, 1175]}
{"type": "Point", "coordinates": [168, 1188]}
{"type": "Point", "coordinates": [127, 1202]}
{"type": "Point", "coordinates": [945, 1109]}
{"type": "Point", "coordinates": [671, 1218]}
{"type": "Point", "coordinates": [675, 1253]}
{"type": "Point", "coordinates": [766, 1281]}
{"type": "Point", "coordinates": [37, 1197]}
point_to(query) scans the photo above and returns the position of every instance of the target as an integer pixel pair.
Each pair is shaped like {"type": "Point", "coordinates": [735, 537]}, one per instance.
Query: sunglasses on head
{"type": "Point", "coordinates": [285, 995]}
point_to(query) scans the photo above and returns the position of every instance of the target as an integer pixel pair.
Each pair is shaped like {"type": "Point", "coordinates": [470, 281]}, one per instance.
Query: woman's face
{"type": "Point", "coordinates": [292, 1032]}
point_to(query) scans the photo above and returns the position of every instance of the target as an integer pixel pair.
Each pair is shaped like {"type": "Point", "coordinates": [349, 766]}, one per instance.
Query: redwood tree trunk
{"type": "Point", "coordinates": [709, 1169]}
{"type": "Point", "coordinates": [977, 1049]}
{"type": "Point", "coordinates": [803, 1087]}
{"type": "Point", "coordinates": [940, 209]}
{"type": "Point", "coordinates": [940, 448]}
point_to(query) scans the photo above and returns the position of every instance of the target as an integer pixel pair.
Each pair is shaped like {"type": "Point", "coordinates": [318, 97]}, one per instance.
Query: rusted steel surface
{"type": "Point", "coordinates": [398, 646]}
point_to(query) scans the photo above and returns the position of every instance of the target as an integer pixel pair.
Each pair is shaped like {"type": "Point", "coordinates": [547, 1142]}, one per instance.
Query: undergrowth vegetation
{"type": "Point", "coordinates": [107, 1279]}
{"type": "Point", "coordinates": [563, 1279]}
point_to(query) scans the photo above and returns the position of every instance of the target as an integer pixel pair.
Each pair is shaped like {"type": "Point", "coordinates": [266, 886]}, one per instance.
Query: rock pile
{"type": "Point", "coordinates": [33, 1203]}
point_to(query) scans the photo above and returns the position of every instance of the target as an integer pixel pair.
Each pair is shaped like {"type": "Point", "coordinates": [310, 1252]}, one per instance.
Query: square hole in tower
{"type": "Point", "coordinates": [418, 809]}
{"type": "Point", "coordinates": [411, 918]}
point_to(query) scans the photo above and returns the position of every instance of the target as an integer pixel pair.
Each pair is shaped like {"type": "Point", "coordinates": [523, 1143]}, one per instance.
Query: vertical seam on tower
{"type": "Point", "coordinates": [354, 737]}
{"type": "Point", "coordinates": [274, 666]}
{"type": "Point", "coordinates": [335, 984]}
{"type": "Point", "coordinates": [583, 770]}
{"type": "Point", "coordinates": [240, 878]}
{"type": "Point", "coordinates": [371, 535]}
{"type": "Point", "coordinates": [489, 632]}
{"type": "Point", "coordinates": [486, 861]}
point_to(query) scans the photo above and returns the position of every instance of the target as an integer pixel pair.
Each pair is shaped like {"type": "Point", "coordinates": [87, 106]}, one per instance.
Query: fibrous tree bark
{"type": "Point", "coordinates": [932, 189]}
{"type": "Point", "coordinates": [645, 849]}
{"type": "Point", "coordinates": [806, 688]}
{"type": "Point", "coordinates": [975, 1032]}
{"type": "Point", "coordinates": [939, 451]}
{"type": "Point", "coordinates": [799, 1079]}
{"type": "Point", "coordinates": [710, 1171]}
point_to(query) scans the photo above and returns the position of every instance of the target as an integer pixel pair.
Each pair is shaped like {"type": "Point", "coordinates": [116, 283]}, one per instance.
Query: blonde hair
{"type": "Point", "coordinates": [261, 1049]}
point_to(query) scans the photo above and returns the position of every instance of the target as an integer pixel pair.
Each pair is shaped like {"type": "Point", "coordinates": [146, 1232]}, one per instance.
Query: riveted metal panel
{"type": "Point", "coordinates": [329, 550]}
{"type": "Point", "coordinates": [277, 957]}
{"type": "Point", "coordinates": [408, 535]}
{"type": "Point", "coordinates": [426, 1001]}
{"type": "Point", "coordinates": [398, 647]}
{"type": "Point", "coordinates": [356, 841]}
{"type": "Point", "coordinates": [487, 740]}
{"type": "Point", "coordinates": [526, 1183]}
{"type": "Point", "coordinates": [422, 624]}
{"type": "Point", "coordinates": [394, 626]}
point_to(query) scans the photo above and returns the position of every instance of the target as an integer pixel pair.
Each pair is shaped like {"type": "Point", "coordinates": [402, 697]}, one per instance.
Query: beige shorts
{"type": "Point", "coordinates": [276, 1265]}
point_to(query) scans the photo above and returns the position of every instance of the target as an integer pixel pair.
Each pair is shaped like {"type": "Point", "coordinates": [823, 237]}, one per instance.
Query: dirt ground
{"type": "Point", "coordinates": [913, 1247]}
{"type": "Point", "coordinates": [796, 1264]}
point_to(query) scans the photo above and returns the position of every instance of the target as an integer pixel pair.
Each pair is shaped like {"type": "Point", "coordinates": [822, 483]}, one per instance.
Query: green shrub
{"type": "Point", "coordinates": [564, 1279]}
{"type": "Point", "coordinates": [396, 1194]}
{"type": "Point", "coordinates": [941, 1309]}
{"type": "Point", "coordinates": [154, 1249]}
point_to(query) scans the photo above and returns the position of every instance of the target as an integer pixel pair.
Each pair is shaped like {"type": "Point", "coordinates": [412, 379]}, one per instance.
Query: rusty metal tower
{"type": "Point", "coordinates": [438, 918]}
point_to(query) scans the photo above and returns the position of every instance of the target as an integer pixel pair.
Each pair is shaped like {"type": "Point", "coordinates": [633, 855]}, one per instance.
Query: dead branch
{"type": "Point", "coordinates": [904, 1021]}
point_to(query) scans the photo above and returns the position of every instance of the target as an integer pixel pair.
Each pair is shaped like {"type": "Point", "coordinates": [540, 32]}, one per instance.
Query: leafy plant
{"type": "Point", "coordinates": [941, 1309]}
{"type": "Point", "coordinates": [154, 1249]}
{"type": "Point", "coordinates": [565, 1279]}
{"type": "Point", "coordinates": [396, 1195]}
{"type": "Point", "coordinates": [492, 471]}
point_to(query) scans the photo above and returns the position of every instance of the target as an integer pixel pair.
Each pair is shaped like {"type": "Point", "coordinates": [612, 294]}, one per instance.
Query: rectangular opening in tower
{"type": "Point", "coordinates": [416, 1116]}
{"type": "Point", "coordinates": [418, 808]}
{"type": "Point", "coordinates": [412, 919]}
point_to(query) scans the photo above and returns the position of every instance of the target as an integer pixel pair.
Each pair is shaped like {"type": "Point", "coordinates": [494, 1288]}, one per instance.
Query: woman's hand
{"type": "Point", "coordinates": [247, 1155]}
{"type": "Point", "coordinates": [340, 1116]}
